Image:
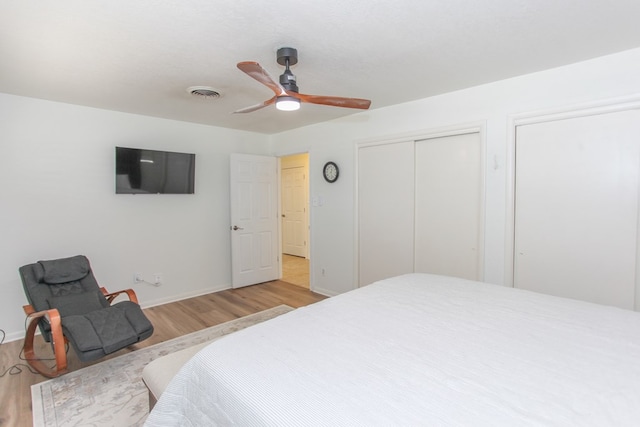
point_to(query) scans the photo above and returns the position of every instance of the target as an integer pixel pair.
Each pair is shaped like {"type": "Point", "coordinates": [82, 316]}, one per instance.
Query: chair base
{"type": "Point", "coordinates": [58, 342]}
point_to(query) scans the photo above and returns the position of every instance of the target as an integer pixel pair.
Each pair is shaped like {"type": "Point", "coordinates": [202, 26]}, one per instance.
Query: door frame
{"type": "Point", "coordinates": [541, 116]}
{"type": "Point", "coordinates": [306, 197]}
{"type": "Point", "coordinates": [279, 157]}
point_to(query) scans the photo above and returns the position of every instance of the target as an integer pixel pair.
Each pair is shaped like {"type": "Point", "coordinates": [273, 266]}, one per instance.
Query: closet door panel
{"type": "Point", "coordinates": [449, 206]}
{"type": "Point", "coordinates": [385, 211]}
{"type": "Point", "coordinates": [576, 207]}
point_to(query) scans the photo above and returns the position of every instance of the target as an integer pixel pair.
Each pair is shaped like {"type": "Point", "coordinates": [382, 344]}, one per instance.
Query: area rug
{"type": "Point", "coordinates": [112, 393]}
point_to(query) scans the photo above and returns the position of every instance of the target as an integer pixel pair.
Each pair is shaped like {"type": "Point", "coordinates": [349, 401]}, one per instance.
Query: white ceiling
{"type": "Point", "coordinates": [141, 56]}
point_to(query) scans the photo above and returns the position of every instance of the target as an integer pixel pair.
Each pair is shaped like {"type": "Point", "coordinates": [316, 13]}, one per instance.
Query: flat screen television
{"type": "Point", "coordinates": [141, 171]}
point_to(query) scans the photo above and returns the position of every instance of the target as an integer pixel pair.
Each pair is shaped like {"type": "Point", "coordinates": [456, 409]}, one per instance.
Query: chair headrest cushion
{"type": "Point", "coordinates": [65, 269]}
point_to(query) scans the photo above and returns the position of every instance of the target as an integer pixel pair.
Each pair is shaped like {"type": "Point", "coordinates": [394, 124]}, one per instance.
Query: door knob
{"type": "Point", "coordinates": [235, 227]}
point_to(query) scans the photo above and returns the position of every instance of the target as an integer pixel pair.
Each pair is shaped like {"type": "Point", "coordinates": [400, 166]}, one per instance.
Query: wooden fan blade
{"type": "Point", "coordinates": [334, 101]}
{"type": "Point", "coordinates": [255, 70]}
{"type": "Point", "coordinates": [256, 107]}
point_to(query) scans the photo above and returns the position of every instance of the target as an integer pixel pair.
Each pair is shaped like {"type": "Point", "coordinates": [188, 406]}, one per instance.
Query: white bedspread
{"type": "Point", "coordinates": [418, 350]}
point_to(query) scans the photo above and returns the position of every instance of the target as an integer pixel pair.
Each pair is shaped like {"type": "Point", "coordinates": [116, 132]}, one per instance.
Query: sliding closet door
{"type": "Point", "coordinates": [448, 197]}
{"type": "Point", "coordinates": [385, 211]}
{"type": "Point", "coordinates": [576, 207]}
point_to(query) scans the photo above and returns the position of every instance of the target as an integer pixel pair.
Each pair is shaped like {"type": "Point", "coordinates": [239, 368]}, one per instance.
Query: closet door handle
{"type": "Point", "coordinates": [235, 227]}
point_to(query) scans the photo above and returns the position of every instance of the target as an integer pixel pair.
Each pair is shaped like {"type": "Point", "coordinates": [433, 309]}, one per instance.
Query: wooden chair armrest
{"type": "Point", "coordinates": [28, 309]}
{"type": "Point", "coordinates": [57, 341]}
{"type": "Point", "coordinates": [110, 296]}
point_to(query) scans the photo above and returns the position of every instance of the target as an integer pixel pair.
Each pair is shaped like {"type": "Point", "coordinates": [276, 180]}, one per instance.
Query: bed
{"type": "Point", "coordinates": [418, 350]}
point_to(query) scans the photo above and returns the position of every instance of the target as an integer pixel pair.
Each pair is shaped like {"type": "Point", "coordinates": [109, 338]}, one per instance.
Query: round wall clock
{"type": "Point", "coordinates": [330, 172]}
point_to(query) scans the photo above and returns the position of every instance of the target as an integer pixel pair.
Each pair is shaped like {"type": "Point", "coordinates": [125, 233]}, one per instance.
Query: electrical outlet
{"type": "Point", "coordinates": [137, 278]}
{"type": "Point", "coordinates": [157, 278]}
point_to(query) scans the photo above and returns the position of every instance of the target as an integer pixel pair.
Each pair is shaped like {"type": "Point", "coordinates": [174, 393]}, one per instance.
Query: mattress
{"type": "Point", "coordinates": [418, 350]}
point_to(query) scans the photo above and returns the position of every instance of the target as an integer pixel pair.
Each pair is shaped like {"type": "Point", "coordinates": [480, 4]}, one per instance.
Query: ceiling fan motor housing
{"type": "Point", "coordinates": [288, 81]}
{"type": "Point", "coordinates": [288, 56]}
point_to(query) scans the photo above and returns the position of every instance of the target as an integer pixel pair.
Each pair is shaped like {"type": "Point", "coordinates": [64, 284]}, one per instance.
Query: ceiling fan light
{"type": "Point", "coordinates": [287, 103]}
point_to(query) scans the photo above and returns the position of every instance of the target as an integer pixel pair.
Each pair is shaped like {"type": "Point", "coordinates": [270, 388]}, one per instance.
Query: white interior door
{"type": "Point", "coordinates": [294, 205]}
{"type": "Point", "coordinates": [576, 207]}
{"type": "Point", "coordinates": [449, 206]}
{"type": "Point", "coordinates": [254, 219]}
{"type": "Point", "coordinates": [385, 211]}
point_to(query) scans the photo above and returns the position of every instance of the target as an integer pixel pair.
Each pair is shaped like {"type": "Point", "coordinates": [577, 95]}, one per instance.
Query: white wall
{"type": "Point", "coordinates": [58, 199]}
{"type": "Point", "coordinates": [333, 224]}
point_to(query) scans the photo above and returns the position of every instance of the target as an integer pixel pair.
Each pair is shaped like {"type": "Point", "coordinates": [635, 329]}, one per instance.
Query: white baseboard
{"type": "Point", "coordinates": [325, 292]}
{"type": "Point", "coordinates": [180, 297]}
{"type": "Point", "coordinates": [14, 336]}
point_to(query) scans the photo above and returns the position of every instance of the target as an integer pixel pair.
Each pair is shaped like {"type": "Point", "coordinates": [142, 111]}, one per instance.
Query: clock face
{"type": "Point", "coordinates": [330, 172]}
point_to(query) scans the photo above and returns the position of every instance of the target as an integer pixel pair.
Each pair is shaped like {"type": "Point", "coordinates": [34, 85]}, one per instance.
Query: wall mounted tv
{"type": "Point", "coordinates": [140, 171]}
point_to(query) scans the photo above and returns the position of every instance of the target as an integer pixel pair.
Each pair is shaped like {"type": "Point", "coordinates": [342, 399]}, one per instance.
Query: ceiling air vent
{"type": "Point", "coordinates": [204, 92]}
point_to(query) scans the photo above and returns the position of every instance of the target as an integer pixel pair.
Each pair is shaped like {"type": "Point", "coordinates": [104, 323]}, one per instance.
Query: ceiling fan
{"type": "Point", "coordinates": [287, 97]}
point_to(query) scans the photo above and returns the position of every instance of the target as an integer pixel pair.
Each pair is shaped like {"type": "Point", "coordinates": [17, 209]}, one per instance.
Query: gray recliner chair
{"type": "Point", "coordinates": [67, 304]}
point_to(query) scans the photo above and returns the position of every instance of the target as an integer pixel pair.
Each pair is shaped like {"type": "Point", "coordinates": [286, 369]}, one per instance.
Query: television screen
{"type": "Point", "coordinates": [141, 171]}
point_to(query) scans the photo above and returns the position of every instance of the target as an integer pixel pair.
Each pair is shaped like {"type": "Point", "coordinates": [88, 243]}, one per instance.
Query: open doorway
{"type": "Point", "coordinates": [294, 205]}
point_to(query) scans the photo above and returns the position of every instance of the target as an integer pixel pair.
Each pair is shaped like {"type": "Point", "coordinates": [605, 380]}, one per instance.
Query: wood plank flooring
{"type": "Point", "coordinates": [169, 321]}
{"type": "Point", "coordinates": [295, 270]}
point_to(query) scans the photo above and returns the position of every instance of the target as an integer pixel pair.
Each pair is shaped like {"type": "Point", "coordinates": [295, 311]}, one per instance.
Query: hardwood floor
{"type": "Point", "coordinates": [295, 270]}
{"type": "Point", "coordinates": [169, 321]}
